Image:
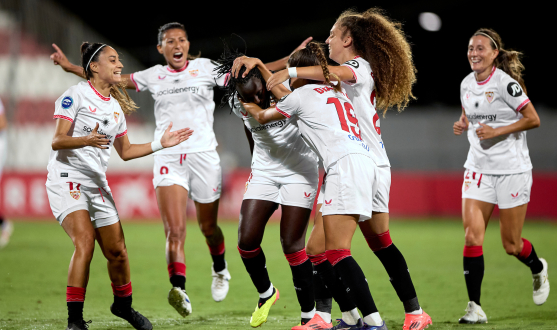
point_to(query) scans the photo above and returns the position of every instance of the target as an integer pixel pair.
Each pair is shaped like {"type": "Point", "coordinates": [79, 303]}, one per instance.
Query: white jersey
{"type": "Point", "coordinates": [3, 141]}
{"type": "Point", "coordinates": [327, 122]}
{"type": "Point", "coordinates": [84, 106]}
{"type": "Point", "coordinates": [496, 102]}
{"type": "Point", "coordinates": [362, 94]}
{"type": "Point", "coordinates": [185, 98]}
{"type": "Point", "coordinates": [279, 149]}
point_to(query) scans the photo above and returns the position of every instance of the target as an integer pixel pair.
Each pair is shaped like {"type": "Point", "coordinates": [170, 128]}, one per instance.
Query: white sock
{"type": "Point", "coordinates": [373, 319]}
{"type": "Point", "coordinates": [351, 317]}
{"type": "Point", "coordinates": [308, 315]}
{"type": "Point", "coordinates": [267, 293]}
{"type": "Point", "coordinates": [416, 312]}
{"type": "Point", "coordinates": [325, 316]}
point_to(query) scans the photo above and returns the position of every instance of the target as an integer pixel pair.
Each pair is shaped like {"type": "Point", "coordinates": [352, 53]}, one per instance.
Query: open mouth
{"type": "Point", "coordinates": [178, 56]}
{"type": "Point", "coordinates": [118, 73]}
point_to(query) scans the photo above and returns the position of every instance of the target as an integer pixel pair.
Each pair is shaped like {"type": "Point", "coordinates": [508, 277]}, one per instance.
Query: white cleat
{"type": "Point", "coordinates": [5, 232]}
{"type": "Point", "coordinates": [474, 314]}
{"type": "Point", "coordinates": [541, 284]}
{"type": "Point", "coordinates": [219, 287]}
{"type": "Point", "coordinates": [178, 299]}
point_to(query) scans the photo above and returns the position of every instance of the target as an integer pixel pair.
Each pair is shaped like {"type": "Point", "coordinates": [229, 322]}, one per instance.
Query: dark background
{"type": "Point", "coordinates": [273, 30]}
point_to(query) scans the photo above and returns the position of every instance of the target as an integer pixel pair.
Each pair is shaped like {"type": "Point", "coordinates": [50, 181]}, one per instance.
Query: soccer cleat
{"type": "Point", "coordinates": [5, 232]}
{"type": "Point", "coordinates": [219, 287]}
{"type": "Point", "coordinates": [376, 327]}
{"type": "Point", "coordinates": [417, 322]}
{"type": "Point", "coordinates": [78, 325]}
{"type": "Point", "coordinates": [260, 314]}
{"type": "Point", "coordinates": [341, 325]}
{"type": "Point", "coordinates": [474, 314]}
{"type": "Point", "coordinates": [541, 284]}
{"type": "Point", "coordinates": [134, 318]}
{"type": "Point", "coordinates": [178, 299]}
{"type": "Point", "coordinates": [316, 323]}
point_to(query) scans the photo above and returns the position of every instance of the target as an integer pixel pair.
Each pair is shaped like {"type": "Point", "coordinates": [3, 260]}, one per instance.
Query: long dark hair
{"type": "Point", "coordinates": [313, 55]}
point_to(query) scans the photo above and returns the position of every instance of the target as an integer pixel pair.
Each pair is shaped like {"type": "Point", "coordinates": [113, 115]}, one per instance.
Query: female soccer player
{"type": "Point", "coordinates": [327, 122]}
{"type": "Point", "coordinates": [183, 93]}
{"type": "Point", "coordinates": [497, 112]}
{"type": "Point", "coordinates": [285, 173]}
{"type": "Point", "coordinates": [6, 227]}
{"type": "Point", "coordinates": [90, 118]}
{"type": "Point", "coordinates": [377, 73]}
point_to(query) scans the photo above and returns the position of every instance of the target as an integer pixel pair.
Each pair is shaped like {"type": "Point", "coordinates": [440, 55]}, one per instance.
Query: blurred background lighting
{"type": "Point", "coordinates": [430, 21]}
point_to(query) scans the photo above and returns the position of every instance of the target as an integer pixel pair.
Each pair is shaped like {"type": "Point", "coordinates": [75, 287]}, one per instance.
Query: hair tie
{"type": "Point", "coordinates": [87, 66]}
{"type": "Point", "coordinates": [487, 35]}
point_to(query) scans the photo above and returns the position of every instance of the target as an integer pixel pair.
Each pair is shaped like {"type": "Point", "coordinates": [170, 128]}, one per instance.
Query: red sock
{"type": "Point", "coordinates": [379, 242]}
{"type": "Point", "coordinates": [216, 250]}
{"type": "Point", "coordinates": [74, 294]}
{"type": "Point", "coordinates": [526, 249]}
{"type": "Point", "coordinates": [473, 251]}
{"type": "Point", "coordinates": [249, 254]}
{"type": "Point", "coordinates": [297, 258]}
{"type": "Point", "coordinates": [317, 259]}
{"type": "Point", "coordinates": [176, 268]}
{"type": "Point", "coordinates": [122, 290]}
{"type": "Point", "coordinates": [334, 256]}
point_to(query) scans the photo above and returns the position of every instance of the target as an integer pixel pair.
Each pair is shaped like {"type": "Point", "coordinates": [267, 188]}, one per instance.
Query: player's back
{"type": "Point", "coordinates": [326, 120]}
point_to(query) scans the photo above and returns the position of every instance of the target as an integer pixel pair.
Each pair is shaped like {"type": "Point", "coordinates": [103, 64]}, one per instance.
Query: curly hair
{"type": "Point", "coordinates": [312, 55]}
{"type": "Point", "coordinates": [381, 42]}
{"type": "Point", "coordinates": [226, 62]}
{"type": "Point", "coordinates": [507, 60]}
{"type": "Point", "coordinates": [90, 53]}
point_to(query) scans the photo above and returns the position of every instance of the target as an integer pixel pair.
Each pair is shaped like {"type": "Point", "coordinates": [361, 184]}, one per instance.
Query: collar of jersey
{"type": "Point", "coordinates": [488, 78]}
{"type": "Point", "coordinates": [98, 94]}
{"type": "Point", "coordinates": [179, 70]}
{"type": "Point", "coordinates": [357, 56]}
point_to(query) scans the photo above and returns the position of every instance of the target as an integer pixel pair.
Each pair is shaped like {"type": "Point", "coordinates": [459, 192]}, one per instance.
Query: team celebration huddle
{"type": "Point", "coordinates": [322, 105]}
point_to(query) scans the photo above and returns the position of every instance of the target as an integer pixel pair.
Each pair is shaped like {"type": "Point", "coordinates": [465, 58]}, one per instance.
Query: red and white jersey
{"type": "Point", "coordinates": [496, 102]}
{"type": "Point", "coordinates": [327, 121]}
{"type": "Point", "coordinates": [362, 94]}
{"type": "Point", "coordinates": [185, 98]}
{"type": "Point", "coordinates": [84, 107]}
{"type": "Point", "coordinates": [278, 146]}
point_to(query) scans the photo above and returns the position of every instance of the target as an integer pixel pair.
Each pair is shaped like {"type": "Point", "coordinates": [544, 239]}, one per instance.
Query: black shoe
{"type": "Point", "coordinates": [136, 320]}
{"type": "Point", "coordinates": [78, 325]}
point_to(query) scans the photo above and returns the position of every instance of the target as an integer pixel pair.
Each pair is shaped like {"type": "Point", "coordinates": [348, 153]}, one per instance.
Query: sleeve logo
{"type": "Point", "coordinates": [353, 63]}
{"type": "Point", "coordinates": [514, 89]}
{"type": "Point", "coordinates": [67, 102]}
{"type": "Point", "coordinates": [283, 98]}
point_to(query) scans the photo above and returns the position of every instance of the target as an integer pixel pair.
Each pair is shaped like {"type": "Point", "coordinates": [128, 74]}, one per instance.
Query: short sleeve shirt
{"type": "Point", "coordinates": [496, 102]}
{"type": "Point", "coordinates": [185, 98]}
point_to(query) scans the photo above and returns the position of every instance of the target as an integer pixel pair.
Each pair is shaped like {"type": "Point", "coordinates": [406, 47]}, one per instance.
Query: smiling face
{"type": "Point", "coordinates": [175, 47]}
{"type": "Point", "coordinates": [337, 43]}
{"type": "Point", "coordinates": [480, 54]}
{"type": "Point", "coordinates": [108, 67]}
{"type": "Point", "coordinates": [254, 91]}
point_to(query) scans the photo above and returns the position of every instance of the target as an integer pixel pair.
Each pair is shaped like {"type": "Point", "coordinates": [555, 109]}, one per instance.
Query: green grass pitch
{"type": "Point", "coordinates": [33, 271]}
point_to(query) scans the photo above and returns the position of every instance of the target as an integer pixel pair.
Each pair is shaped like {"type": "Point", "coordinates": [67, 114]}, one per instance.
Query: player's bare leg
{"type": "Point", "coordinates": [207, 215]}
{"type": "Point", "coordinates": [475, 217]}
{"type": "Point", "coordinates": [172, 201]}
{"type": "Point", "coordinates": [376, 233]}
{"type": "Point", "coordinates": [254, 216]}
{"type": "Point", "coordinates": [113, 245]}
{"type": "Point", "coordinates": [511, 223]}
{"type": "Point", "coordinates": [339, 230]}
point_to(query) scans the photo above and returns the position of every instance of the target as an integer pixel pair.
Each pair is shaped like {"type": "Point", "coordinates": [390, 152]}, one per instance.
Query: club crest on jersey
{"type": "Point", "coordinates": [489, 96]}
{"type": "Point", "coordinates": [194, 73]}
{"type": "Point", "coordinates": [467, 185]}
{"type": "Point", "coordinates": [116, 117]}
{"type": "Point", "coordinates": [75, 193]}
{"type": "Point", "coordinates": [67, 102]}
{"type": "Point", "coordinates": [92, 110]}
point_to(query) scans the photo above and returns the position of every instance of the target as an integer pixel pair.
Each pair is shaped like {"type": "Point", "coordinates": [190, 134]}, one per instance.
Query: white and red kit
{"type": "Point", "coordinates": [328, 124]}
{"type": "Point", "coordinates": [3, 142]}
{"type": "Point", "coordinates": [185, 98]}
{"type": "Point", "coordinates": [284, 169]}
{"type": "Point", "coordinates": [498, 170]}
{"type": "Point", "coordinates": [77, 177]}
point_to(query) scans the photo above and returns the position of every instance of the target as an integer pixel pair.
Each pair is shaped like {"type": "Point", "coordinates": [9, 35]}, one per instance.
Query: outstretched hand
{"type": "Point", "coordinates": [303, 44]}
{"type": "Point", "coordinates": [277, 78]}
{"type": "Point", "coordinates": [170, 139]}
{"type": "Point", "coordinates": [59, 58]}
{"type": "Point", "coordinates": [97, 140]}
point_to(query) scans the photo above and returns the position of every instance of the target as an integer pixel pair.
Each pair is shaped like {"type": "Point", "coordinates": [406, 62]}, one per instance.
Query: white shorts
{"type": "Point", "coordinates": [381, 198]}
{"type": "Point", "coordinates": [199, 173]}
{"type": "Point", "coordinates": [68, 197]}
{"type": "Point", "coordinates": [350, 187]}
{"type": "Point", "coordinates": [294, 190]}
{"type": "Point", "coordinates": [507, 191]}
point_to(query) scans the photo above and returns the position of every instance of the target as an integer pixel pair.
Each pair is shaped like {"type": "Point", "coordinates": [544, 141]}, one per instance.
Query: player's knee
{"type": "Point", "coordinates": [176, 233]}
{"type": "Point", "coordinates": [472, 239]}
{"type": "Point", "coordinates": [291, 245]}
{"type": "Point", "coordinates": [117, 254]}
{"type": "Point", "coordinates": [208, 230]}
{"type": "Point", "coordinates": [85, 246]}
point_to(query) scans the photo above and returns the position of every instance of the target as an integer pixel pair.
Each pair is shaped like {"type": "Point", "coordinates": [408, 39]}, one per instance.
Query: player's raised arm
{"type": "Point", "coordinates": [262, 116]}
{"type": "Point", "coordinates": [281, 64]}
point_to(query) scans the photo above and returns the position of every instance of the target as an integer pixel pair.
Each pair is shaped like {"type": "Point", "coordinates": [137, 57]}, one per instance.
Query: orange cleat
{"type": "Point", "coordinates": [417, 322]}
{"type": "Point", "coordinates": [316, 323]}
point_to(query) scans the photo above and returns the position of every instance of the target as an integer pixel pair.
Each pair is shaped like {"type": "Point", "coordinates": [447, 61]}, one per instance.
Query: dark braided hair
{"type": "Point", "coordinates": [313, 55]}
{"type": "Point", "coordinates": [226, 61]}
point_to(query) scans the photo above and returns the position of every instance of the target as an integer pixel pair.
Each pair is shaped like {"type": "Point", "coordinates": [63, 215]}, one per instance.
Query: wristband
{"type": "Point", "coordinates": [156, 145]}
{"type": "Point", "coordinates": [292, 72]}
